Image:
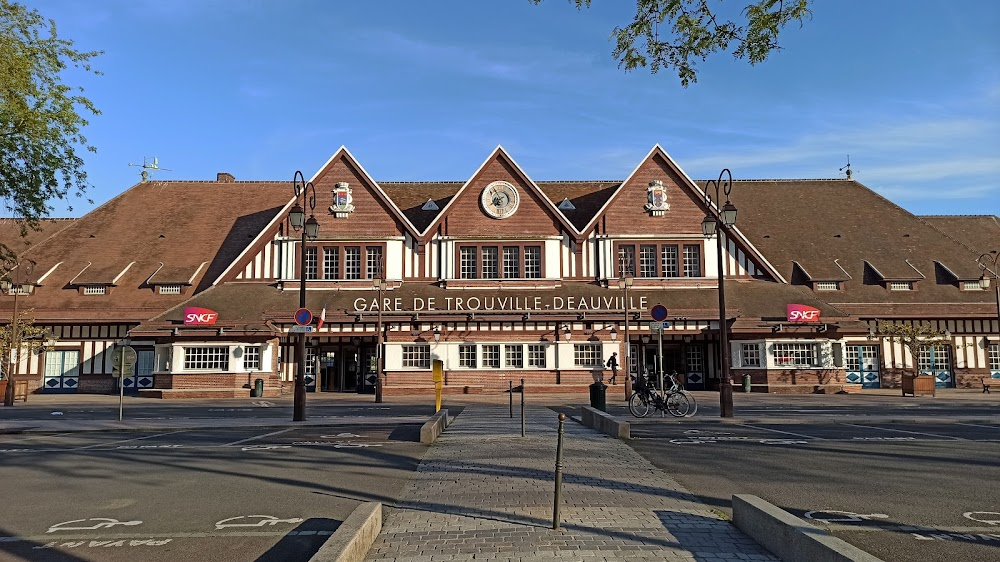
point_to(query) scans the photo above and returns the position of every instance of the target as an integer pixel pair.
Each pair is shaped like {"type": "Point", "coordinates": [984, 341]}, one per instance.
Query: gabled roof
{"type": "Point", "coordinates": [586, 196]}
{"type": "Point", "coordinates": [981, 233]}
{"type": "Point", "coordinates": [165, 229]}
{"type": "Point", "coordinates": [500, 153]}
{"type": "Point", "coordinates": [411, 197]}
{"type": "Point", "coordinates": [819, 223]}
{"type": "Point", "coordinates": [10, 232]}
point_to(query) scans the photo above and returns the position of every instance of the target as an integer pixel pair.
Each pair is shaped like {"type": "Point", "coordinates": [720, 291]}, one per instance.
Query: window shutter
{"type": "Point", "coordinates": [838, 354]}
{"type": "Point", "coordinates": [737, 354]}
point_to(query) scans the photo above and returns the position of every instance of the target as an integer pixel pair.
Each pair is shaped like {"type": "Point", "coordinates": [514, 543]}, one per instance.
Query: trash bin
{"type": "Point", "coordinates": [258, 388]}
{"type": "Point", "coordinates": [598, 397]}
{"type": "Point", "coordinates": [746, 383]}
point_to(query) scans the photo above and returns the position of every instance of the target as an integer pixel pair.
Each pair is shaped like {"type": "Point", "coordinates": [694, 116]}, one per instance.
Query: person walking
{"type": "Point", "coordinates": [613, 365]}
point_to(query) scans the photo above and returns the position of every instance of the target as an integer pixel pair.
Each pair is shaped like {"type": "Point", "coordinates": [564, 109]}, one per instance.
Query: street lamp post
{"type": "Point", "coordinates": [625, 281]}
{"type": "Point", "coordinates": [985, 261]}
{"type": "Point", "coordinates": [378, 282]}
{"type": "Point", "coordinates": [15, 327]}
{"type": "Point", "coordinates": [715, 224]}
{"type": "Point", "coordinates": [310, 230]}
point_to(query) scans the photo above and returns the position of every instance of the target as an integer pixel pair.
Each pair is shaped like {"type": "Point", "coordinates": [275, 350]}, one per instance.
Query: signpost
{"type": "Point", "coordinates": [123, 366]}
{"type": "Point", "coordinates": [659, 313]}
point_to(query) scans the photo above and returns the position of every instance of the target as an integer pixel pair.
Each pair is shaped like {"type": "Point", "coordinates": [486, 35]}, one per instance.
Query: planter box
{"type": "Point", "coordinates": [922, 385]}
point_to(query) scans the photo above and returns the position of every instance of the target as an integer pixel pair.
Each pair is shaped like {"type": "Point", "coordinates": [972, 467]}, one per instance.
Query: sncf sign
{"type": "Point", "coordinates": [802, 313]}
{"type": "Point", "coordinates": [195, 316]}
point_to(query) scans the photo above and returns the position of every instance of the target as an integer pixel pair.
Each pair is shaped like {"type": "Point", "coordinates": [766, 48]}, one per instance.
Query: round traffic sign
{"type": "Point", "coordinates": [658, 312]}
{"type": "Point", "coordinates": [303, 317]}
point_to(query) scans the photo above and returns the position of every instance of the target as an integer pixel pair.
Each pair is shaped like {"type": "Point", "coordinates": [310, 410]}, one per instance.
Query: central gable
{"type": "Point", "coordinates": [630, 211]}
{"type": "Point", "coordinates": [358, 209]}
{"type": "Point", "coordinates": [464, 215]}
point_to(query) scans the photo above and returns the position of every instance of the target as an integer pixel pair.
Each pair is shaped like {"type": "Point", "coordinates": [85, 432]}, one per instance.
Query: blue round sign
{"type": "Point", "coordinates": [658, 312]}
{"type": "Point", "coordinates": [303, 317]}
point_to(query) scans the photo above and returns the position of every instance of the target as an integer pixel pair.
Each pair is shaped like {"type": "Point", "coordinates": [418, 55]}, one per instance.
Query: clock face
{"type": "Point", "coordinates": [500, 199]}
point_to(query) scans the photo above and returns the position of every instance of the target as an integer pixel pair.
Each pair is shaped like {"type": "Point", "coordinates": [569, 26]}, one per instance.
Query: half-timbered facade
{"type": "Point", "coordinates": [503, 278]}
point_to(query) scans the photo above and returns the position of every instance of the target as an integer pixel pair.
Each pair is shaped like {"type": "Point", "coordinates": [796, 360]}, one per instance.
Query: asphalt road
{"type": "Point", "coordinates": [903, 492]}
{"type": "Point", "coordinates": [209, 494]}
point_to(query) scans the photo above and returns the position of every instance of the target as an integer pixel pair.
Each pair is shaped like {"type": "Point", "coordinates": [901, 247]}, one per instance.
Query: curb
{"type": "Point", "coordinates": [433, 428]}
{"type": "Point", "coordinates": [821, 421]}
{"type": "Point", "coordinates": [354, 537]}
{"type": "Point", "coordinates": [166, 427]}
{"type": "Point", "coordinates": [790, 538]}
{"type": "Point", "coordinates": [603, 422]}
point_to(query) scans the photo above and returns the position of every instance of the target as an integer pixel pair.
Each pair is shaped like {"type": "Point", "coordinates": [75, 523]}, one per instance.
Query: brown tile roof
{"type": "Point", "coordinates": [410, 197]}
{"type": "Point", "coordinates": [821, 223]}
{"type": "Point", "coordinates": [10, 232]}
{"type": "Point", "coordinates": [248, 305]}
{"type": "Point", "coordinates": [170, 228]}
{"type": "Point", "coordinates": [587, 196]}
{"type": "Point", "coordinates": [979, 232]}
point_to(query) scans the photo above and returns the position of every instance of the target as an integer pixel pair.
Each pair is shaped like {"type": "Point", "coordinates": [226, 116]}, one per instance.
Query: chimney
{"type": "Point", "coordinates": [225, 177]}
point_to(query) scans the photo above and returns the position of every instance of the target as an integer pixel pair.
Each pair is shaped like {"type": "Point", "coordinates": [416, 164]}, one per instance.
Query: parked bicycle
{"type": "Point", "coordinates": [675, 400]}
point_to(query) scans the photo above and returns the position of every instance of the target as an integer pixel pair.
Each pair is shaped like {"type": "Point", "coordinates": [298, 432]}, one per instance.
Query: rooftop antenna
{"type": "Point", "coordinates": [847, 168]}
{"type": "Point", "coordinates": [147, 166]}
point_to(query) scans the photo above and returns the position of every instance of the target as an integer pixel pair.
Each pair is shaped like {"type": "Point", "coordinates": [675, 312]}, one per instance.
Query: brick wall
{"type": "Point", "coordinates": [494, 380]}
{"type": "Point", "coordinates": [215, 380]}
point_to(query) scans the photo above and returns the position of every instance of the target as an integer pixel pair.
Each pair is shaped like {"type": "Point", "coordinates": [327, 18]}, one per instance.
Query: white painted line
{"type": "Point", "coordinates": [258, 437]}
{"type": "Point", "coordinates": [905, 431]}
{"type": "Point", "coordinates": [804, 436]}
{"type": "Point", "coordinates": [127, 440]}
{"type": "Point", "coordinates": [997, 427]}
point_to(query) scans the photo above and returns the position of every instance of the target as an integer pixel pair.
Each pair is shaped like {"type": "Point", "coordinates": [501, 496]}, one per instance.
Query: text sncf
{"type": "Point", "coordinates": [802, 313]}
{"type": "Point", "coordinates": [195, 316]}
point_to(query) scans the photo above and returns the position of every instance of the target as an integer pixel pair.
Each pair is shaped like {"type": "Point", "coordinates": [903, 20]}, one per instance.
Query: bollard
{"type": "Point", "coordinates": [559, 467]}
{"type": "Point", "coordinates": [522, 407]}
{"type": "Point", "coordinates": [510, 393]}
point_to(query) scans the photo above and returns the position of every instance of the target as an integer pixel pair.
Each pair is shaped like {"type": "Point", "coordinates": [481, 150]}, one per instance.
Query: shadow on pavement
{"type": "Point", "coordinates": [25, 549]}
{"type": "Point", "coordinates": [304, 543]}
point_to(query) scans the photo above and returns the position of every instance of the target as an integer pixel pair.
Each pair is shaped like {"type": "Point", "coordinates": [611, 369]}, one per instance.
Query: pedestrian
{"type": "Point", "coordinates": [613, 365]}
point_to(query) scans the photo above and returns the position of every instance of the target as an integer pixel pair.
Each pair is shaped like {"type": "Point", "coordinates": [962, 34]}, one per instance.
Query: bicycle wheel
{"type": "Point", "coordinates": [677, 405]}
{"type": "Point", "coordinates": [639, 405]}
{"type": "Point", "coordinates": [691, 400]}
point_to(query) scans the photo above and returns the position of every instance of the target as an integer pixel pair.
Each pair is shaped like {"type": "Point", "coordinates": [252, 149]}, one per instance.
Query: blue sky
{"type": "Point", "coordinates": [424, 90]}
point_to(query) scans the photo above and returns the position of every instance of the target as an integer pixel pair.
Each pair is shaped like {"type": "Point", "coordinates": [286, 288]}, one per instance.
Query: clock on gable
{"type": "Point", "coordinates": [500, 199]}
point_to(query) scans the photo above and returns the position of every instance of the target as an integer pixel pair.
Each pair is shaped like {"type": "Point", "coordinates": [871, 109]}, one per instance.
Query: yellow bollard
{"type": "Point", "coordinates": [437, 367]}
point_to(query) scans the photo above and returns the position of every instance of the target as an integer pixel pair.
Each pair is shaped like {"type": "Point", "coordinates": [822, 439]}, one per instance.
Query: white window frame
{"type": "Point", "coordinates": [827, 286]}
{"type": "Point", "coordinates": [206, 358]}
{"type": "Point", "coordinates": [994, 356]}
{"type": "Point", "coordinates": [95, 290]}
{"type": "Point", "coordinates": [251, 357]}
{"type": "Point", "coordinates": [537, 355]}
{"type": "Point", "coordinates": [416, 356]}
{"type": "Point", "coordinates": [492, 357]}
{"type": "Point", "coordinates": [169, 289]}
{"type": "Point", "coordinates": [750, 355]}
{"type": "Point", "coordinates": [467, 360]}
{"type": "Point", "coordinates": [795, 351]}
{"type": "Point", "coordinates": [900, 285]}
{"type": "Point", "coordinates": [513, 356]}
{"type": "Point", "coordinates": [588, 355]}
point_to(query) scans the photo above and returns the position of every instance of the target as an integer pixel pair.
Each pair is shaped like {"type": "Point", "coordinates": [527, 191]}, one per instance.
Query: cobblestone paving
{"type": "Point", "coordinates": [483, 492]}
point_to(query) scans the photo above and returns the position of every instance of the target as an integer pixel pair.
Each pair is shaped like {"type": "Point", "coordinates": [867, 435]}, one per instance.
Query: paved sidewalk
{"type": "Point", "coordinates": [483, 492]}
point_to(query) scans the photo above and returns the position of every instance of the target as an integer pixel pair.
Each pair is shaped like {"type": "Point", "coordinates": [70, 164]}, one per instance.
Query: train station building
{"type": "Point", "coordinates": [503, 278]}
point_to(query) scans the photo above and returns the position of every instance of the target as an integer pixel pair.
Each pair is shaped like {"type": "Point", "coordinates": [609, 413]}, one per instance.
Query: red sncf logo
{"type": "Point", "coordinates": [195, 316]}
{"type": "Point", "coordinates": [802, 313]}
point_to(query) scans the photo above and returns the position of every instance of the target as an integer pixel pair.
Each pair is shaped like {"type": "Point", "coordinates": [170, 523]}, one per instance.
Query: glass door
{"type": "Point", "coordinates": [62, 371]}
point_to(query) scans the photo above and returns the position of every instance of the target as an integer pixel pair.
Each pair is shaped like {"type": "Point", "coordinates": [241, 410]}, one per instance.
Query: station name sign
{"type": "Point", "coordinates": [494, 303]}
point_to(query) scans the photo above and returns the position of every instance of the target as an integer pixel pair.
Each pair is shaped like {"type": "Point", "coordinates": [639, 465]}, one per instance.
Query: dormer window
{"type": "Point", "coordinates": [566, 205]}
{"type": "Point", "coordinates": [827, 286]}
{"type": "Point", "coordinates": [95, 290]}
{"type": "Point", "coordinates": [170, 289]}
{"type": "Point", "coordinates": [901, 285]}
{"type": "Point", "coordinates": [972, 285]}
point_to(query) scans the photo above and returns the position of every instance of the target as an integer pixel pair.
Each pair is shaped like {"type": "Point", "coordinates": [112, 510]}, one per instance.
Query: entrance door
{"type": "Point", "coordinates": [936, 360]}
{"type": "Point", "coordinates": [143, 377]}
{"type": "Point", "coordinates": [339, 368]}
{"type": "Point", "coordinates": [368, 377]}
{"type": "Point", "coordinates": [62, 371]}
{"type": "Point", "coordinates": [863, 365]}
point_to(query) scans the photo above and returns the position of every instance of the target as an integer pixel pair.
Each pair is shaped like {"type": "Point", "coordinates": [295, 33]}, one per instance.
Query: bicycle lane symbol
{"type": "Point", "coordinates": [834, 516]}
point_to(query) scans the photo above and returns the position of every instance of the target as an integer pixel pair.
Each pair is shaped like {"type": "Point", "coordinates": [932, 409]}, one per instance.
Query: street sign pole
{"type": "Point", "coordinates": [121, 383]}
{"type": "Point", "coordinates": [659, 352]}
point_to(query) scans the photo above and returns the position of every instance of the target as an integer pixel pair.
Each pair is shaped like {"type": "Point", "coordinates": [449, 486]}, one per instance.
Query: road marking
{"type": "Point", "coordinates": [883, 438]}
{"type": "Point", "coordinates": [965, 537]}
{"type": "Point", "coordinates": [786, 432]}
{"type": "Point", "coordinates": [264, 447]}
{"type": "Point", "coordinates": [102, 523]}
{"type": "Point", "coordinates": [104, 543]}
{"type": "Point", "coordinates": [258, 437]}
{"type": "Point", "coordinates": [254, 521]}
{"type": "Point", "coordinates": [978, 425]}
{"type": "Point", "coordinates": [339, 436]}
{"type": "Point", "coordinates": [843, 516]}
{"type": "Point", "coordinates": [994, 517]}
{"type": "Point", "coordinates": [96, 445]}
{"type": "Point", "coordinates": [905, 431]}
